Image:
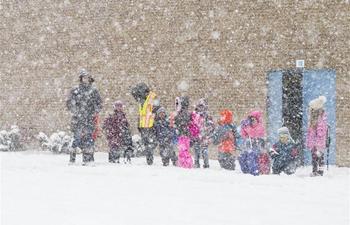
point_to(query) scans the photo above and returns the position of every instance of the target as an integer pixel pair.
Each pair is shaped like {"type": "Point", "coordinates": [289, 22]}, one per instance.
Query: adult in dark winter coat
{"type": "Point", "coordinates": [183, 122]}
{"type": "Point", "coordinates": [118, 134]}
{"type": "Point", "coordinates": [284, 153]}
{"type": "Point", "coordinates": [165, 134]}
{"type": "Point", "coordinates": [85, 103]}
{"type": "Point", "coordinates": [148, 106]}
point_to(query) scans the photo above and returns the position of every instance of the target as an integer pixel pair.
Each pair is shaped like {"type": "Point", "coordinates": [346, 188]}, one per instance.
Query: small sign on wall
{"type": "Point", "coordinates": [300, 63]}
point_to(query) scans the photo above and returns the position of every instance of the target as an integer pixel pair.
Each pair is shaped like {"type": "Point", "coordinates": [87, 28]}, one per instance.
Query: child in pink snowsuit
{"type": "Point", "coordinates": [316, 134]}
{"type": "Point", "coordinates": [182, 122]}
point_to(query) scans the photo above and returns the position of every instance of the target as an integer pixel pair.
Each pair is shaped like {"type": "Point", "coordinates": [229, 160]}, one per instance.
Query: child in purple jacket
{"type": "Point", "coordinates": [118, 134]}
{"type": "Point", "coordinates": [316, 134]}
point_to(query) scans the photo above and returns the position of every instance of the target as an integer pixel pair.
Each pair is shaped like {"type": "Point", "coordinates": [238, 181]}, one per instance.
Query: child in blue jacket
{"type": "Point", "coordinates": [164, 135]}
{"type": "Point", "coordinates": [284, 153]}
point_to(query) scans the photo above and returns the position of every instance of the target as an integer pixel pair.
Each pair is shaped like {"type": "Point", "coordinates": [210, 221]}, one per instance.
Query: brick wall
{"type": "Point", "coordinates": [220, 50]}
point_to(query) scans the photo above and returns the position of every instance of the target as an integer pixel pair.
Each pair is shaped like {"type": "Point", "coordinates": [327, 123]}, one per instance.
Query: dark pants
{"type": "Point", "coordinates": [167, 153]}
{"type": "Point", "coordinates": [198, 148]}
{"type": "Point", "coordinates": [116, 152]}
{"type": "Point", "coordinates": [87, 157]}
{"type": "Point", "coordinates": [287, 169]}
{"type": "Point", "coordinates": [227, 160]}
{"type": "Point", "coordinates": [86, 144]}
{"type": "Point", "coordinates": [114, 155]}
{"type": "Point", "coordinates": [317, 162]}
{"type": "Point", "coordinates": [149, 143]}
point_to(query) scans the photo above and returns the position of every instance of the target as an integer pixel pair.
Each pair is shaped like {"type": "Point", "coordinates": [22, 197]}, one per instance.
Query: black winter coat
{"type": "Point", "coordinates": [84, 102]}
{"type": "Point", "coordinates": [183, 119]}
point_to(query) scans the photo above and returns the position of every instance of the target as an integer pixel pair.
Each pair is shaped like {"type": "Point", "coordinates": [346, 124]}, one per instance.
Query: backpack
{"type": "Point", "coordinates": [238, 139]}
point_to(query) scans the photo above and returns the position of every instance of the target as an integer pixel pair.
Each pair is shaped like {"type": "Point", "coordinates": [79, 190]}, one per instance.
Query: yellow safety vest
{"type": "Point", "coordinates": [146, 115]}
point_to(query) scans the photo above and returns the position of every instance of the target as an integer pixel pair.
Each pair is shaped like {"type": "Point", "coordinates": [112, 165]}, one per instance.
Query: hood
{"type": "Point", "coordinates": [177, 104]}
{"type": "Point", "coordinates": [185, 102]}
{"type": "Point", "coordinates": [140, 92]}
{"type": "Point", "coordinates": [257, 115]}
{"type": "Point", "coordinates": [202, 102]}
{"type": "Point", "coordinates": [226, 117]}
{"type": "Point", "coordinates": [161, 110]}
{"type": "Point", "coordinates": [84, 73]}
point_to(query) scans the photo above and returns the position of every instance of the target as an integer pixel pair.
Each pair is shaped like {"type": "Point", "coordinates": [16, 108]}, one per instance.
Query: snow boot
{"type": "Point", "coordinates": [111, 157]}
{"type": "Point", "coordinates": [149, 159]}
{"type": "Point", "coordinates": [88, 159]}
{"type": "Point", "coordinates": [72, 158]}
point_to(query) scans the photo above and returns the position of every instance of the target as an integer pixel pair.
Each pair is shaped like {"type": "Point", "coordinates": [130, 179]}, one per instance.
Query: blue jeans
{"type": "Point", "coordinates": [83, 141]}
{"type": "Point", "coordinates": [204, 149]}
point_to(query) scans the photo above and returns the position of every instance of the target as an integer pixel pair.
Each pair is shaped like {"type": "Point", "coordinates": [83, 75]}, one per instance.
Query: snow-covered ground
{"type": "Point", "coordinates": [40, 188]}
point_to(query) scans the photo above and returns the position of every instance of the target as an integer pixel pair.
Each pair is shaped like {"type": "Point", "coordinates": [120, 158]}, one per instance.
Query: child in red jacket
{"type": "Point", "coordinates": [224, 137]}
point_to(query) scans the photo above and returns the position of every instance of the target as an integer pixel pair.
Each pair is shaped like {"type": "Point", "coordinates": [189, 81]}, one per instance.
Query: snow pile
{"type": "Point", "coordinates": [40, 188]}
{"type": "Point", "coordinates": [139, 149]}
{"type": "Point", "coordinates": [58, 143]}
{"type": "Point", "coordinates": [10, 141]}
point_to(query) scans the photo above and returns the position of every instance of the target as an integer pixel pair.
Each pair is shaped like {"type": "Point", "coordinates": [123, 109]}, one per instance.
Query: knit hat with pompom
{"type": "Point", "coordinates": [317, 103]}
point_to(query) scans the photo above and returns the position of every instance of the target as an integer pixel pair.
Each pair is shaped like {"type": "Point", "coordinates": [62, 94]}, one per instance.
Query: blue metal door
{"type": "Point", "coordinates": [317, 83]}
{"type": "Point", "coordinates": [314, 84]}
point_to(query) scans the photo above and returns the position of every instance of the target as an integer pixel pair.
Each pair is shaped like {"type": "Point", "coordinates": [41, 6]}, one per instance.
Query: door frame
{"type": "Point", "coordinates": [326, 81]}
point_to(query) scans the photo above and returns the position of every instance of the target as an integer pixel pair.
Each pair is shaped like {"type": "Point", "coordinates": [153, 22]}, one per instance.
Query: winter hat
{"type": "Point", "coordinates": [161, 110]}
{"type": "Point", "coordinates": [118, 103]}
{"type": "Point", "coordinates": [85, 73]}
{"type": "Point", "coordinates": [201, 102]}
{"type": "Point", "coordinates": [317, 103]}
{"type": "Point", "coordinates": [140, 92]}
{"type": "Point", "coordinates": [226, 117]}
{"type": "Point", "coordinates": [284, 132]}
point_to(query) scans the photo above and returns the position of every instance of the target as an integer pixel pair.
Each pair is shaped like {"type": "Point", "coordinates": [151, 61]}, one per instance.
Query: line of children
{"type": "Point", "coordinates": [197, 128]}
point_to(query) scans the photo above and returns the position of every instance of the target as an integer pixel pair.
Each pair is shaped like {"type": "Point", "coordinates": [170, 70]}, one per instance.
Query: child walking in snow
{"type": "Point", "coordinates": [253, 131]}
{"type": "Point", "coordinates": [284, 153]}
{"type": "Point", "coordinates": [164, 135]}
{"type": "Point", "coordinates": [224, 137]}
{"type": "Point", "coordinates": [316, 134]}
{"type": "Point", "coordinates": [182, 122]}
{"type": "Point", "coordinates": [202, 128]}
{"type": "Point", "coordinates": [118, 134]}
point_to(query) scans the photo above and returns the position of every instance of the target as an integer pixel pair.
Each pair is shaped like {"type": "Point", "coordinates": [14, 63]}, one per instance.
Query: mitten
{"type": "Point", "coordinates": [318, 153]}
{"type": "Point", "coordinates": [244, 123]}
{"type": "Point", "coordinates": [273, 153]}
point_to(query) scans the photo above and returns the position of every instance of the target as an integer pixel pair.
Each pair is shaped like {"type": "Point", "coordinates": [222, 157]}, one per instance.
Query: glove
{"type": "Point", "coordinates": [318, 153]}
{"type": "Point", "coordinates": [273, 153]}
{"type": "Point", "coordinates": [294, 153]}
{"type": "Point", "coordinates": [244, 123]}
{"type": "Point", "coordinates": [191, 142]}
